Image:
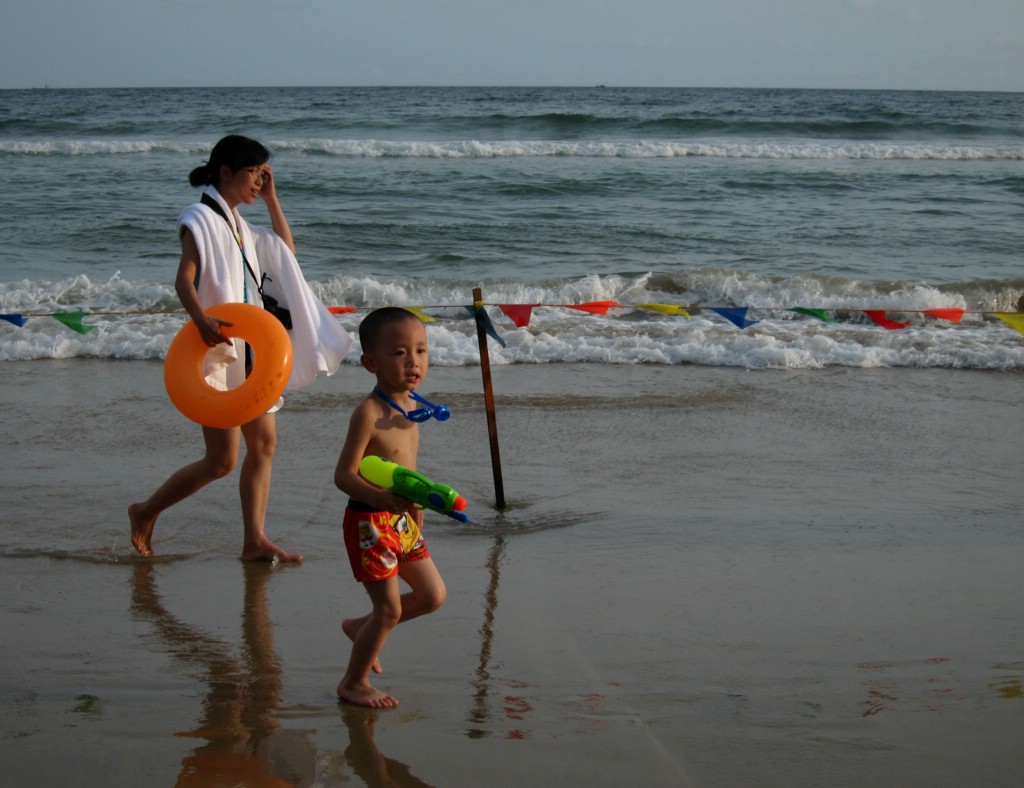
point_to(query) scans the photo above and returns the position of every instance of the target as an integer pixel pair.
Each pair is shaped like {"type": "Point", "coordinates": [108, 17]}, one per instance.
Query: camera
{"type": "Point", "coordinates": [280, 312]}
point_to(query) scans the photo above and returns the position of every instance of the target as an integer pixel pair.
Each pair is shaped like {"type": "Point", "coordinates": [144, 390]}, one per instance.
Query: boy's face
{"type": "Point", "coordinates": [399, 357]}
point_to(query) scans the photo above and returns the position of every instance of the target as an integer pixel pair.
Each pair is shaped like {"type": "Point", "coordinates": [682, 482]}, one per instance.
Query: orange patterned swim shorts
{"type": "Point", "coordinates": [377, 542]}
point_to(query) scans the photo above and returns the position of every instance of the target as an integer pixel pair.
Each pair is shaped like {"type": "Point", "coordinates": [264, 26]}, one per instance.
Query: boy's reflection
{"type": "Point", "coordinates": [243, 742]}
{"type": "Point", "coordinates": [365, 759]}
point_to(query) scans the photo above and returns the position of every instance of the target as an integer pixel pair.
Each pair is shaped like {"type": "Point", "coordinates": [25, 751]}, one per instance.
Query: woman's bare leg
{"type": "Point", "coordinates": [254, 489]}
{"type": "Point", "coordinates": [218, 461]}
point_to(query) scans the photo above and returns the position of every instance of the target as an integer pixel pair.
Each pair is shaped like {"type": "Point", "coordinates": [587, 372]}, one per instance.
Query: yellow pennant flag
{"type": "Point", "coordinates": [418, 311]}
{"type": "Point", "coordinates": [1014, 320]}
{"type": "Point", "coordinates": [666, 309]}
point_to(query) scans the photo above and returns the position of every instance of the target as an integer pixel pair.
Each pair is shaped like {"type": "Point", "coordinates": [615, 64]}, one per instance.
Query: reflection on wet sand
{"type": "Point", "coordinates": [243, 742]}
{"type": "Point", "coordinates": [479, 714]}
{"type": "Point", "coordinates": [365, 759]}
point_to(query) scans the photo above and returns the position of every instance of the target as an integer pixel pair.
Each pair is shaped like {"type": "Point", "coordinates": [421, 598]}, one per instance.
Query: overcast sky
{"type": "Point", "coordinates": [914, 44]}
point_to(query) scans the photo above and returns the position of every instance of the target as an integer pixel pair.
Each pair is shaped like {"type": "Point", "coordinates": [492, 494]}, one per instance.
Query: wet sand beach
{"type": "Point", "coordinates": [704, 577]}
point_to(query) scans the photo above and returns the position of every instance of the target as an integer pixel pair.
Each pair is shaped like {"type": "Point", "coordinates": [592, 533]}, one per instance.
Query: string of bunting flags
{"type": "Point", "coordinates": [521, 314]}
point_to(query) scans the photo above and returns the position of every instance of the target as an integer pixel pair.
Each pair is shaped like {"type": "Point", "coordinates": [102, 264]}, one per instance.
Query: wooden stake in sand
{"type": "Point", "coordinates": [485, 371]}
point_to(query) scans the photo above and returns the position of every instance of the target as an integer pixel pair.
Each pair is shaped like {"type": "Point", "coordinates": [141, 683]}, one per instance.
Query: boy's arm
{"type": "Point", "coordinates": [346, 473]}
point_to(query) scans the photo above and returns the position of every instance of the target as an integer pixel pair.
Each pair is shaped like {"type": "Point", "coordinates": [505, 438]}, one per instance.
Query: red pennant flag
{"type": "Point", "coordinates": [878, 315]}
{"type": "Point", "coordinates": [596, 307]}
{"type": "Point", "coordinates": [340, 310]}
{"type": "Point", "coordinates": [952, 315]}
{"type": "Point", "coordinates": [519, 314]}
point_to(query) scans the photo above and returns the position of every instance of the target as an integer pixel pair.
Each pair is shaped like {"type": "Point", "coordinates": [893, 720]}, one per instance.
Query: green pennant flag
{"type": "Point", "coordinates": [73, 320]}
{"type": "Point", "coordinates": [821, 314]}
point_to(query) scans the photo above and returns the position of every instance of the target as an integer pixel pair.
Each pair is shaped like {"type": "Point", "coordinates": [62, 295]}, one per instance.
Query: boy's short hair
{"type": "Point", "coordinates": [372, 324]}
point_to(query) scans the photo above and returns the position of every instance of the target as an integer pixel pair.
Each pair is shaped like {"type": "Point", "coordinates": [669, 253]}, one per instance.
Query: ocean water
{"type": "Point", "coordinates": [842, 201]}
{"type": "Point", "coordinates": [786, 554]}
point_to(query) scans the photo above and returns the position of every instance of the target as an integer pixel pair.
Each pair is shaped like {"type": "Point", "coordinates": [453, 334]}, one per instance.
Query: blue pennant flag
{"type": "Point", "coordinates": [482, 317]}
{"type": "Point", "coordinates": [737, 316]}
{"type": "Point", "coordinates": [15, 318]}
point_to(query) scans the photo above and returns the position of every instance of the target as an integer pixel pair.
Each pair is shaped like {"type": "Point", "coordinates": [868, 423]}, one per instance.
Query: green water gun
{"type": "Point", "coordinates": [414, 486]}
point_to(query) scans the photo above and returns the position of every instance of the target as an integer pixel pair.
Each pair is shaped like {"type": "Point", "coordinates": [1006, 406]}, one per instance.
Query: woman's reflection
{"type": "Point", "coordinates": [243, 743]}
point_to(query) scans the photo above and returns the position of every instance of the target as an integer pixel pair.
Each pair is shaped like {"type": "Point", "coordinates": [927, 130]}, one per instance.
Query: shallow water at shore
{"type": "Point", "coordinates": [704, 576]}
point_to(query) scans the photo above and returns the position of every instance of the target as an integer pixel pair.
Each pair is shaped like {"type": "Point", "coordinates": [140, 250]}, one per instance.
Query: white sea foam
{"type": "Point", "coordinates": [628, 334]}
{"type": "Point", "coordinates": [653, 148]}
{"type": "Point", "coordinates": [498, 149]}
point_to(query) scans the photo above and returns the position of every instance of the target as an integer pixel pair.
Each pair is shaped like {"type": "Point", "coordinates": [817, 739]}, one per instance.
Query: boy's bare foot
{"type": "Point", "coordinates": [265, 550]}
{"type": "Point", "coordinates": [142, 531]}
{"type": "Point", "coordinates": [350, 627]}
{"type": "Point", "coordinates": [366, 695]}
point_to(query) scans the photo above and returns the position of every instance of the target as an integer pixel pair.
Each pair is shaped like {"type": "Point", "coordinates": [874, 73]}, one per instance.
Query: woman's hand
{"type": "Point", "coordinates": [209, 330]}
{"type": "Point", "coordinates": [277, 219]}
{"type": "Point", "coordinates": [268, 190]}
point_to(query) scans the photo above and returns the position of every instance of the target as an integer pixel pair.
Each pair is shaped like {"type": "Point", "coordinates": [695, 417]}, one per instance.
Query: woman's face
{"type": "Point", "coordinates": [244, 185]}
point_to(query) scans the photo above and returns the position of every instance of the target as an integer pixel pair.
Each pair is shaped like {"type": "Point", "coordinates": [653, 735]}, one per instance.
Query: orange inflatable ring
{"type": "Point", "coordinates": [272, 366]}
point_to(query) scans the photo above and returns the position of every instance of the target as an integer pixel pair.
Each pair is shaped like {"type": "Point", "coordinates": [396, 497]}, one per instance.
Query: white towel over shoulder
{"type": "Point", "coordinates": [221, 280]}
{"type": "Point", "coordinates": [319, 343]}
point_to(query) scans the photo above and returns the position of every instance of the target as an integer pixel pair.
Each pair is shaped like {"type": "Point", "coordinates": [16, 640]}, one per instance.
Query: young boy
{"type": "Point", "coordinates": [382, 530]}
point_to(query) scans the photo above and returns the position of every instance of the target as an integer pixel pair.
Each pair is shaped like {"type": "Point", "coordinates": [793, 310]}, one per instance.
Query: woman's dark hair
{"type": "Point", "coordinates": [234, 151]}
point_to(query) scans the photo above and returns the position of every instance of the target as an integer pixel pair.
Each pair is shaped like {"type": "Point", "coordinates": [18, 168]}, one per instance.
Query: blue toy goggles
{"type": "Point", "coordinates": [429, 410]}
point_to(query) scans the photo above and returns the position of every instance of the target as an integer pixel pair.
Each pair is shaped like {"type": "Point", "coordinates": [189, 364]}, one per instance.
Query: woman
{"type": "Point", "coordinates": [220, 262]}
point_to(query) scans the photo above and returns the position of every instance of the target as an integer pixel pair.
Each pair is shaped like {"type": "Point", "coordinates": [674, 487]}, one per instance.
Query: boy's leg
{"type": "Point", "coordinates": [427, 590]}
{"type": "Point", "coordinates": [351, 627]}
{"type": "Point", "coordinates": [427, 594]}
{"type": "Point", "coordinates": [355, 685]}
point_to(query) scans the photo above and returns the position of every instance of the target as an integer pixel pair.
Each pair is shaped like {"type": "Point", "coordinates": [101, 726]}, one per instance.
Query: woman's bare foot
{"type": "Point", "coordinates": [366, 695]}
{"type": "Point", "coordinates": [265, 550]}
{"type": "Point", "coordinates": [350, 627]}
{"type": "Point", "coordinates": [142, 531]}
